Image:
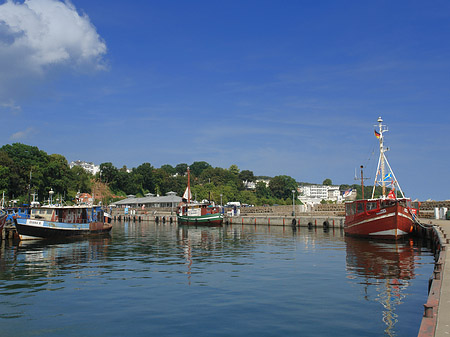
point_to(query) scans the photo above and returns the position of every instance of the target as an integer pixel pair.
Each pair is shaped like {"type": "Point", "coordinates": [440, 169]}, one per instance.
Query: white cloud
{"type": "Point", "coordinates": [38, 35]}
{"type": "Point", "coordinates": [22, 135]}
{"type": "Point", "coordinates": [10, 106]}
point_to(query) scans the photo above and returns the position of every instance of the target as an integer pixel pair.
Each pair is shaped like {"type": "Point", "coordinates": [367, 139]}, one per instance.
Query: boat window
{"type": "Point", "coordinates": [387, 203]}
{"type": "Point", "coordinates": [371, 205]}
{"type": "Point", "coordinates": [350, 209]}
{"type": "Point", "coordinates": [360, 207]}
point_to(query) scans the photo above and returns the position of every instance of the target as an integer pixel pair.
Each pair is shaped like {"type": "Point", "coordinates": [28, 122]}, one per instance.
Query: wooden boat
{"type": "Point", "coordinates": [3, 216]}
{"type": "Point", "coordinates": [391, 216]}
{"type": "Point", "coordinates": [200, 214]}
{"type": "Point", "coordinates": [53, 222]}
{"type": "Point", "coordinates": [205, 214]}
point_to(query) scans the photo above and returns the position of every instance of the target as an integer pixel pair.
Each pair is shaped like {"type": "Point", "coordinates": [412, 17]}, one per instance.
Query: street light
{"type": "Point", "coordinates": [293, 204]}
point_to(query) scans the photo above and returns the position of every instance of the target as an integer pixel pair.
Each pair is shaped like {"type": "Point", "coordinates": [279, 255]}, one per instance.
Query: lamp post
{"type": "Point", "coordinates": [51, 196]}
{"type": "Point", "coordinates": [293, 204]}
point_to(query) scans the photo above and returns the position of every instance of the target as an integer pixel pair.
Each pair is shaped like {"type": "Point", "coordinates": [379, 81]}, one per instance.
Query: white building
{"type": "Point", "coordinates": [314, 194]}
{"type": "Point", "coordinates": [87, 166]}
{"type": "Point", "coordinates": [249, 185]}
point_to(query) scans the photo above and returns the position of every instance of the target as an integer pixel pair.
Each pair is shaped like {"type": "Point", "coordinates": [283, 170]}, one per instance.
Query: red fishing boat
{"type": "Point", "coordinates": [392, 215]}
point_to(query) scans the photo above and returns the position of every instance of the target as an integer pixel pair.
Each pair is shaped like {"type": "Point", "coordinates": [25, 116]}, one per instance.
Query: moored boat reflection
{"type": "Point", "coordinates": [383, 268]}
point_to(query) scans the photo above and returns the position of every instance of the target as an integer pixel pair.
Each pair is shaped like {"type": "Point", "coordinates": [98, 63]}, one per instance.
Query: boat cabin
{"type": "Point", "coordinates": [198, 209]}
{"type": "Point", "coordinates": [370, 206]}
{"type": "Point", "coordinates": [68, 214]}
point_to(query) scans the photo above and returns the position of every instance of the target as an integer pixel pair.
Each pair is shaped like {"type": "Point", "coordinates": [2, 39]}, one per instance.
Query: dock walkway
{"type": "Point", "coordinates": [443, 314]}
{"type": "Point", "coordinates": [437, 322]}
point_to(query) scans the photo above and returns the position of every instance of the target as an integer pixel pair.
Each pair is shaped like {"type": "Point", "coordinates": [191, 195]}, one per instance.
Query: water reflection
{"type": "Point", "coordinates": [262, 278]}
{"type": "Point", "coordinates": [46, 259]}
{"type": "Point", "coordinates": [384, 268]}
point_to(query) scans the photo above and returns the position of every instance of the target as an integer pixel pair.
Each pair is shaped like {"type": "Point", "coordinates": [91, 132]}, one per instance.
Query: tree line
{"type": "Point", "coordinates": [26, 169]}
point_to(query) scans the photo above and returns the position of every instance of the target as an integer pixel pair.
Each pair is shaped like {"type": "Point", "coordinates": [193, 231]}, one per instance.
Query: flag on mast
{"type": "Point", "coordinates": [377, 134]}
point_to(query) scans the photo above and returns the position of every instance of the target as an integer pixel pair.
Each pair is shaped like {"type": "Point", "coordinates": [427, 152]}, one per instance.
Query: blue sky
{"type": "Point", "coordinates": [276, 87]}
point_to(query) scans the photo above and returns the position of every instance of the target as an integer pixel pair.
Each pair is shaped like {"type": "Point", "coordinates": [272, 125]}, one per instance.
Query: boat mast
{"type": "Point", "coordinates": [381, 177]}
{"type": "Point", "coordinates": [381, 159]}
{"type": "Point", "coordinates": [189, 186]}
{"type": "Point", "coordinates": [382, 150]}
{"type": "Point", "coordinates": [362, 182]}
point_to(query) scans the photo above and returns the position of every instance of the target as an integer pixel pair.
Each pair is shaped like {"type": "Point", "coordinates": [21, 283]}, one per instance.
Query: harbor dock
{"type": "Point", "coordinates": [436, 318]}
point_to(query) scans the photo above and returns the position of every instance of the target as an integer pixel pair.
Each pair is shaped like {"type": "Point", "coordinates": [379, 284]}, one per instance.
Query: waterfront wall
{"type": "Point", "coordinates": [437, 306]}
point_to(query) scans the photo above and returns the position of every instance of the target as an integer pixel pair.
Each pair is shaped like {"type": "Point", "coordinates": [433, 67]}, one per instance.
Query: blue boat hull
{"type": "Point", "coordinates": [32, 229]}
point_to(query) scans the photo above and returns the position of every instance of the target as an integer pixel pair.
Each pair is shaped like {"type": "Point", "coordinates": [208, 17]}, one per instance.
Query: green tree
{"type": "Point", "coordinates": [108, 173]}
{"type": "Point", "coordinates": [234, 169]}
{"type": "Point", "coordinates": [181, 169]}
{"type": "Point", "coordinates": [80, 180]}
{"type": "Point", "coordinates": [146, 172]}
{"type": "Point", "coordinates": [25, 158]}
{"type": "Point", "coordinates": [247, 175]}
{"type": "Point", "coordinates": [248, 197]}
{"type": "Point", "coordinates": [327, 182]}
{"type": "Point", "coordinates": [282, 186]}
{"type": "Point", "coordinates": [57, 174]}
{"type": "Point", "coordinates": [169, 169]}
{"type": "Point", "coordinates": [198, 167]}
{"type": "Point", "coordinates": [262, 191]}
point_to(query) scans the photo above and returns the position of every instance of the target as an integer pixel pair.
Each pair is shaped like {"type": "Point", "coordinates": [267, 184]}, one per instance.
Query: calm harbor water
{"type": "Point", "coordinates": [164, 280]}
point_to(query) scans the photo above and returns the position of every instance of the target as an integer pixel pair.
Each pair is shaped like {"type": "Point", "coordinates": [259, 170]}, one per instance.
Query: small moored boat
{"type": "Point", "coordinates": [206, 214]}
{"type": "Point", "coordinates": [391, 216]}
{"type": "Point", "coordinates": [200, 214]}
{"type": "Point", "coordinates": [62, 221]}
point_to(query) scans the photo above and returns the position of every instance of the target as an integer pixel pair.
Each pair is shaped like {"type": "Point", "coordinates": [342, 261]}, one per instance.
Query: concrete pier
{"type": "Point", "coordinates": [436, 317]}
{"type": "Point", "coordinates": [322, 221]}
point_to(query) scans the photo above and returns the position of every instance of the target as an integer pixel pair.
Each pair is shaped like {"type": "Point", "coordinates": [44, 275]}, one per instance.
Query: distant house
{"type": "Point", "coordinates": [84, 199]}
{"type": "Point", "coordinates": [87, 166]}
{"type": "Point", "coordinates": [149, 201]}
{"type": "Point", "coordinates": [249, 185]}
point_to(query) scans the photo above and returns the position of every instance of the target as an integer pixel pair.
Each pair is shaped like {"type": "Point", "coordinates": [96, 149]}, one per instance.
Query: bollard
{"type": "Point", "coordinates": [437, 275]}
{"type": "Point", "coordinates": [428, 311]}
